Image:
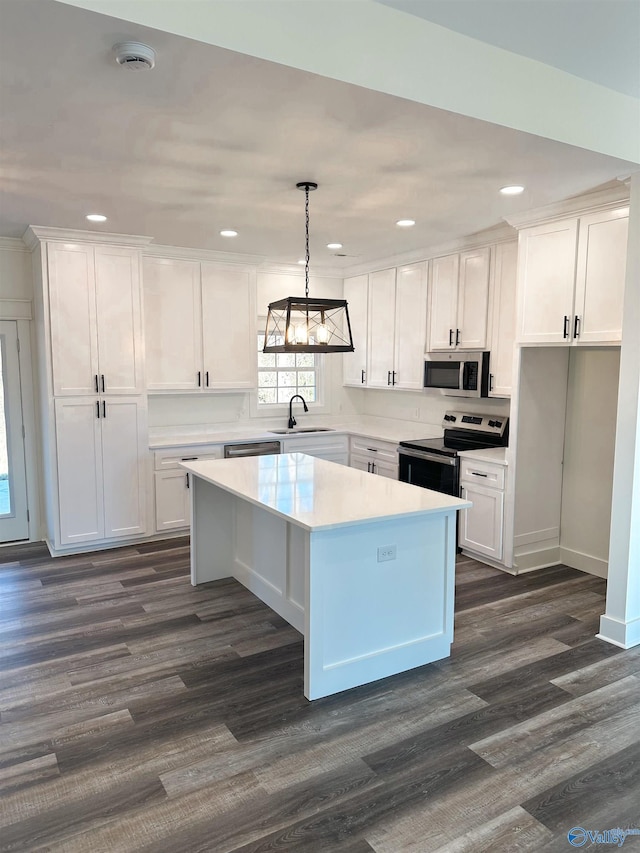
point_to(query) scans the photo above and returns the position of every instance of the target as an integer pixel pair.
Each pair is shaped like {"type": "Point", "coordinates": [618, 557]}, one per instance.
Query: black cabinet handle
{"type": "Point", "coordinates": [491, 382]}
{"type": "Point", "coordinates": [206, 378]}
{"type": "Point", "coordinates": [476, 474]}
{"type": "Point", "coordinates": [188, 458]}
{"type": "Point", "coordinates": [576, 327]}
{"type": "Point", "coordinates": [95, 376]}
{"type": "Point", "coordinates": [372, 449]}
{"type": "Point", "coordinates": [457, 337]}
{"type": "Point", "coordinates": [98, 409]}
{"type": "Point", "coordinates": [199, 379]}
{"type": "Point", "coordinates": [373, 467]}
{"type": "Point", "coordinates": [393, 377]}
{"type": "Point", "coordinates": [450, 337]}
{"type": "Point", "coordinates": [104, 409]}
{"type": "Point", "coordinates": [362, 376]}
{"type": "Point", "coordinates": [188, 486]}
{"type": "Point", "coordinates": [388, 377]}
{"type": "Point", "coordinates": [102, 380]}
{"type": "Point", "coordinates": [565, 330]}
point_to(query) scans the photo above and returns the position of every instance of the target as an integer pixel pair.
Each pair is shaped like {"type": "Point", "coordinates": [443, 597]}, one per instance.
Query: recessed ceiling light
{"type": "Point", "coordinates": [228, 232]}
{"type": "Point", "coordinates": [514, 190]}
{"type": "Point", "coordinates": [334, 245]}
{"type": "Point", "coordinates": [406, 223]}
{"type": "Point", "coordinates": [96, 217]}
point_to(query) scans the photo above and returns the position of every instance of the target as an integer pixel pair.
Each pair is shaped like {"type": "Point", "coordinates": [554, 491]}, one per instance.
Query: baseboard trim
{"type": "Point", "coordinates": [529, 561]}
{"type": "Point", "coordinates": [625, 635]}
{"type": "Point", "coordinates": [584, 562]}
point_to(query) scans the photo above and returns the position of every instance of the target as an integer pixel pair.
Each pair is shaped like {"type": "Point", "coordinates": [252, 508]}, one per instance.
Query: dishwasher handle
{"type": "Point", "coordinates": [253, 448]}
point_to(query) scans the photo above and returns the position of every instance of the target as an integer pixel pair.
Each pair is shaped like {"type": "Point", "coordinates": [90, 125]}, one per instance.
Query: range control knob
{"type": "Point", "coordinates": [492, 423]}
{"type": "Point", "coordinates": [497, 423]}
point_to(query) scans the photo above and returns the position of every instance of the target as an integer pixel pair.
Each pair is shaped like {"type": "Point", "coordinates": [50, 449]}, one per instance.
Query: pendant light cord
{"type": "Point", "coordinates": [306, 257]}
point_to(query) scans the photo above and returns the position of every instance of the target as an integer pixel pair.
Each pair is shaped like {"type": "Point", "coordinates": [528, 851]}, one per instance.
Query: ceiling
{"type": "Point", "coordinates": [213, 139]}
{"type": "Point", "coordinates": [598, 40]}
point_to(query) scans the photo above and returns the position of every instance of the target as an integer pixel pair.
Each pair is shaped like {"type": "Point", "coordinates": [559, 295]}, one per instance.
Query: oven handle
{"type": "Point", "coordinates": [430, 457]}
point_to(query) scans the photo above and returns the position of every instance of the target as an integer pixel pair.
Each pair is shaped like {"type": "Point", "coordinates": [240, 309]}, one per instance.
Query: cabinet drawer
{"type": "Point", "coordinates": [384, 451]}
{"type": "Point", "coordinates": [482, 473]}
{"type": "Point", "coordinates": [167, 459]}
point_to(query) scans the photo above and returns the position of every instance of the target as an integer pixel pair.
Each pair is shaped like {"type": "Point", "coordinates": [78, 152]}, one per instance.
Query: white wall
{"type": "Point", "coordinates": [16, 280]}
{"type": "Point", "coordinates": [589, 445]}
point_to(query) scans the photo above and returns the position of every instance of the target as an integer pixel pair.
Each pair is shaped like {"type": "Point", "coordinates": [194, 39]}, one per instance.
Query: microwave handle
{"type": "Point", "coordinates": [462, 376]}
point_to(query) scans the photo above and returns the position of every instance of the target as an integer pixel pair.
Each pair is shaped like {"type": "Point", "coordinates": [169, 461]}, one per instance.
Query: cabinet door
{"type": "Point", "coordinates": [385, 469]}
{"type": "Point", "coordinates": [546, 278]}
{"type": "Point", "coordinates": [361, 463]}
{"type": "Point", "coordinates": [79, 457]}
{"type": "Point", "coordinates": [119, 320]}
{"type": "Point", "coordinates": [173, 329]}
{"type": "Point", "coordinates": [502, 313]}
{"type": "Point", "coordinates": [228, 328]}
{"type": "Point", "coordinates": [123, 457]}
{"type": "Point", "coordinates": [354, 364]}
{"type": "Point", "coordinates": [473, 300]}
{"type": "Point", "coordinates": [173, 509]}
{"type": "Point", "coordinates": [600, 278]}
{"type": "Point", "coordinates": [382, 296]}
{"type": "Point", "coordinates": [443, 305]}
{"type": "Point", "coordinates": [410, 325]}
{"type": "Point", "coordinates": [72, 310]}
{"type": "Point", "coordinates": [481, 526]}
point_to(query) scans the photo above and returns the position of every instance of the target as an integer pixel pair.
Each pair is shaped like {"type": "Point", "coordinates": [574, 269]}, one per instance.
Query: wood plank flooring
{"type": "Point", "coordinates": [140, 714]}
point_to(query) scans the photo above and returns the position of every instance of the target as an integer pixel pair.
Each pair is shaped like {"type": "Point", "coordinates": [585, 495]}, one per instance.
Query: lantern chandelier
{"type": "Point", "coordinates": [298, 324]}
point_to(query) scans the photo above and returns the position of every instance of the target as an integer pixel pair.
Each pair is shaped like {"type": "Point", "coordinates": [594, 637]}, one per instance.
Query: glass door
{"type": "Point", "coordinates": [14, 523]}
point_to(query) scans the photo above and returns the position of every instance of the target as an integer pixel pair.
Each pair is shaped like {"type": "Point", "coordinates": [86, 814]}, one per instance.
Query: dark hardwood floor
{"type": "Point", "coordinates": [140, 714]}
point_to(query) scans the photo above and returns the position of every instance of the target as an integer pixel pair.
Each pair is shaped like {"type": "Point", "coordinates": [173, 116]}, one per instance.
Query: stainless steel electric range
{"type": "Point", "coordinates": [433, 463]}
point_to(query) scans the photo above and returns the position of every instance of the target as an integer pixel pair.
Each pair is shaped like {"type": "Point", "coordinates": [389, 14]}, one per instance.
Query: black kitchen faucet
{"type": "Point", "coordinates": [292, 420]}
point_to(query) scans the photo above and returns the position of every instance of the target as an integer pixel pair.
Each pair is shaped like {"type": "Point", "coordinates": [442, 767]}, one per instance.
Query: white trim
{"type": "Point", "coordinates": [16, 309]}
{"type": "Point", "coordinates": [37, 233]}
{"type": "Point", "coordinates": [584, 562]}
{"type": "Point", "coordinates": [188, 254]}
{"type": "Point", "coordinates": [626, 635]}
{"type": "Point", "coordinates": [315, 271]}
{"type": "Point", "coordinates": [601, 200]}
{"type": "Point", "coordinates": [32, 454]}
{"type": "Point", "coordinates": [550, 533]}
{"type": "Point", "coordinates": [12, 244]}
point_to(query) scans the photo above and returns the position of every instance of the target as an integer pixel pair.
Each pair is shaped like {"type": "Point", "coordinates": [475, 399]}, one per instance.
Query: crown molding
{"type": "Point", "coordinates": [37, 233]}
{"type": "Point", "coordinates": [188, 254]}
{"type": "Point", "coordinates": [298, 270]}
{"type": "Point", "coordinates": [501, 233]}
{"type": "Point", "coordinates": [12, 244]}
{"type": "Point", "coordinates": [576, 206]}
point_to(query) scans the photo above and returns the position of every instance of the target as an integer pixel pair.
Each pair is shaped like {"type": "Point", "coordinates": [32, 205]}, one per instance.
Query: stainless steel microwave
{"type": "Point", "coordinates": [458, 374]}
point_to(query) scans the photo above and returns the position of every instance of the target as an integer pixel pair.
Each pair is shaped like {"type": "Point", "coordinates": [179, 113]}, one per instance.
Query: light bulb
{"type": "Point", "coordinates": [300, 334]}
{"type": "Point", "coordinates": [322, 333]}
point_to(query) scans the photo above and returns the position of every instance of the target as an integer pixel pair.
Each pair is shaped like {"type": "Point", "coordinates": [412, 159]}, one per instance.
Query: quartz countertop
{"type": "Point", "coordinates": [316, 494]}
{"type": "Point", "coordinates": [498, 455]}
{"type": "Point", "coordinates": [383, 429]}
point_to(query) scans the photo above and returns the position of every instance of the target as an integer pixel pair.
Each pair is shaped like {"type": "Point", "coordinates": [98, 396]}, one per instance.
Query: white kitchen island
{"type": "Point", "coordinates": [361, 565]}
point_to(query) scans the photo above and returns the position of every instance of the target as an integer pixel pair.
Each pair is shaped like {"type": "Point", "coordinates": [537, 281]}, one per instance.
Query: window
{"type": "Point", "coordinates": [282, 374]}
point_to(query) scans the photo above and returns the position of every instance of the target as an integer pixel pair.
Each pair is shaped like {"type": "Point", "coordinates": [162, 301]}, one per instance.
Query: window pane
{"type": "Point", "coordinates": [266, 359]}
{"type": "Point", "coordinates": [306, 377]}
{"type": "Point", "coordinates": [286, 359]}
{"type": "Point", "coordinates": [305, 359]}
{"type": "Point", "coordinates": [284, 394]}
{"type": "Point", "coordinates": [266, 378]}
{"type": "Point", "coordinates": [286, 379]}
{"type": "Point", "coordinates": [267, 395]}
{"type": "Point", "coordinates": [310, 394]}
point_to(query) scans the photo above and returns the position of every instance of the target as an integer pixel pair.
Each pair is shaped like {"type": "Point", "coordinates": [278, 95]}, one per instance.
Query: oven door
{"type": "Point", "coordinates": [429, 470]}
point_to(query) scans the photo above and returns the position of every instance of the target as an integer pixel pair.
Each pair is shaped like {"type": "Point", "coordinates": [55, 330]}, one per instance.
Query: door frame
{"type": "Point", "coordinates": [21, 310]}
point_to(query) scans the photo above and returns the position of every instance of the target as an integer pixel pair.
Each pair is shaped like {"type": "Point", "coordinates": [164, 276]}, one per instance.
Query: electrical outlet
{"type": "Point", "coordinates": [386, 552]}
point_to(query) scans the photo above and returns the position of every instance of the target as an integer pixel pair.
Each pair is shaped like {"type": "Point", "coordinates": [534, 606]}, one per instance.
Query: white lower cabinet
{"type": "Point", "coordinates": [101, 450]}
{"type": "Point", "coordinates": [171, 484]}
{"type": "Point", "coordinates": [481, 526]}
{"type": "Point", "coordinates": [374, 456]}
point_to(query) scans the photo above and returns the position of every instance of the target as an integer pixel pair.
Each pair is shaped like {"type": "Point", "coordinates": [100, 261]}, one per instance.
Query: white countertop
{"type": "Point", "coordinates": [383, 429]}
{"type": "Point", "coordinates": [489, 454]}
{"type": "Point", "coordinates": [318, 495]}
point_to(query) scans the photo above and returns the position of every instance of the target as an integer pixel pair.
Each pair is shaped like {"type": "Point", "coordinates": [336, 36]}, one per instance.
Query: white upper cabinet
{"type": "Point", "coordinates": [354, 364]}
{"type": "Point", "coordinates": [502, 313]}
{"type": "Point", "coordinates": [600, 276]}
{"type": "Point", "coordinates": [397, 327]}
{"type": "Point", "coordinates": [459, 301]}
{"type": "Point", "coordinates": [95, 319]}
{"type": "Point", "coordinates": [228, 328]}
{"type": "Point", "coordinates": [200, 325]}
{"type": "Point", "coordinates": [172, 324]}
{"type": "Point", "coordinates": [571, 276]}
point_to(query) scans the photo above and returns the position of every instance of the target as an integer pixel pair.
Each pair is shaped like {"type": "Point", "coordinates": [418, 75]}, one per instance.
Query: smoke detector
{"type": "Point", "coordinates": [135, 55]}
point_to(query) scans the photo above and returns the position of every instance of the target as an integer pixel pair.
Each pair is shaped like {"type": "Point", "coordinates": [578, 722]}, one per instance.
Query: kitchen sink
{"type": "Point", "coordinates": [300, 429]}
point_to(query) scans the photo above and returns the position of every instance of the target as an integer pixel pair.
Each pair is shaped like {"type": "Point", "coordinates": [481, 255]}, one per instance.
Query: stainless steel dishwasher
{"type": "Point", "coordinates": [251, 448]}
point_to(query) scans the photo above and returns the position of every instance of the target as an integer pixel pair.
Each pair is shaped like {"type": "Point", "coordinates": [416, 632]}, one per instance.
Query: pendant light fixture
{"type": "Point", "coordinates": [298, 324]}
